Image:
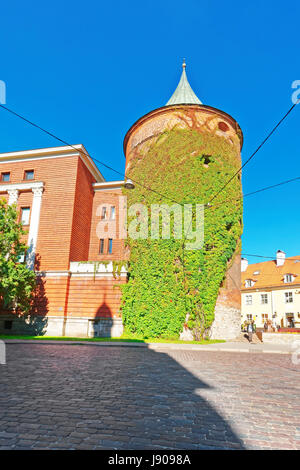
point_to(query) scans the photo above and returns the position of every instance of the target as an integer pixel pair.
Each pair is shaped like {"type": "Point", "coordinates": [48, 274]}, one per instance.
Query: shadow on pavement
{"type": "Point", "coordinates": [87, 396]}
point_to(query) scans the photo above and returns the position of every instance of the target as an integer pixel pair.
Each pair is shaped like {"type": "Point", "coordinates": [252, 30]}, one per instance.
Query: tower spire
{"type": "Point", "coordinates": [183, 93]}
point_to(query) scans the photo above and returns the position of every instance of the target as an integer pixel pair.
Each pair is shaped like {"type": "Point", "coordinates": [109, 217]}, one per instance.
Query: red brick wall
{"type": "Point", "coordinates": [73, 296]}
{"type": "Point", "coordinates": [55, 228]}
{"type": "Point", "coordinates": [83, 204]}
{"type": "Point", "coordinates": [107, 198]}
{"type": "Point", "coordinates": [51, 296]}
{"type": "Point", "coordinates": [93, 298]}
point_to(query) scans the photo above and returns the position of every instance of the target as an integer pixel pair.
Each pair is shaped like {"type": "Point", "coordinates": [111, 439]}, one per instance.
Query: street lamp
{"type": "Point", "coordinates": [129, 184]}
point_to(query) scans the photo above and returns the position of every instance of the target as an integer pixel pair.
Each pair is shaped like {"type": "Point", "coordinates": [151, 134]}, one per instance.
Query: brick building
{"type": "Point", "coordinates": [65, 203]}
{"type": "Point", "coordinates": [58, 192]}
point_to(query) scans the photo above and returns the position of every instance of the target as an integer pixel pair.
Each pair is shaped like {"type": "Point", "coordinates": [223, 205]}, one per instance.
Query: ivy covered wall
{"type": "Point", "coordinates": [167, 283]}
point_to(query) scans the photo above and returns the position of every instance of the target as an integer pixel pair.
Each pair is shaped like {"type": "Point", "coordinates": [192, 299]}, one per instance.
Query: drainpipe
{"type": "Point", "coordinates": [272, 307]}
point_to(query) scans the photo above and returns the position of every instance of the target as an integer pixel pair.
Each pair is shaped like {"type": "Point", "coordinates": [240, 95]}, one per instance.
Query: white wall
{"type": "Point", "coordinates": [276, 308]}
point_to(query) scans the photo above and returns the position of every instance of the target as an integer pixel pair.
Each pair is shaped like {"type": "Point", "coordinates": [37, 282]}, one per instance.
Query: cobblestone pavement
{"type": "Point", "coordinates": [84, 397]}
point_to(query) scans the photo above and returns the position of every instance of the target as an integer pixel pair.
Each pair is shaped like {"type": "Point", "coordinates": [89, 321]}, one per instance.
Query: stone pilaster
{"type": "Point", "coordinates": [34, 226]}
{"type": "Point", "coordinates": [13, 196]}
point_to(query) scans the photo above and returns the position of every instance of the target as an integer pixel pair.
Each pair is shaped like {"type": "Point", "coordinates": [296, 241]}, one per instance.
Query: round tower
{"type": "Point", "coordinates": [185, 152]}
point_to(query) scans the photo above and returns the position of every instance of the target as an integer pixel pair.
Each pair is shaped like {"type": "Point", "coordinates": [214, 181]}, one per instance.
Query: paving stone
{"type": "Point", "coordinates": [84, 397]}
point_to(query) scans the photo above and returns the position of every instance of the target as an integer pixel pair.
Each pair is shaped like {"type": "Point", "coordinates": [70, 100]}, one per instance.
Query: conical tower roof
{"type": "Point", "coordinates": [183, 93]}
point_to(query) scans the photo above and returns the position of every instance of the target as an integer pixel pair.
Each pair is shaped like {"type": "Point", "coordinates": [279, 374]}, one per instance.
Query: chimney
{"type": "Point", "coordinates": [244, 264]}
{"type": "Point", "coordinates": [280, 258]}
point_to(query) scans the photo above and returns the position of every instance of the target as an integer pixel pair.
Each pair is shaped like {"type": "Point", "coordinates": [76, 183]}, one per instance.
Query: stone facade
{"type": "Point", "coordinates": [59, 326]}
{"type": "Point", "coordinates": [227, 322]}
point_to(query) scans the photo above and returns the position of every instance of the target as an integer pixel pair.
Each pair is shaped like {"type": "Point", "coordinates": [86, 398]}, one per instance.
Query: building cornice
{"type": "Point", "coordinates": [21, 186]}
{"type": "Point", "coordinates": [90, 267]}
{"type": "Point", "coordinates": [52, 273]}
{"type": "Point", "coordinates": [270, 288]}
{"type": "Point", "coordinates": [108, 185]}
{"type": "Point", "coordinates": [54, 152]}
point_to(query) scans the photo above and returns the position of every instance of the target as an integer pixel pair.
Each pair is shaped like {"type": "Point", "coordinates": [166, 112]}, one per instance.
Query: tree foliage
{"type": "Point", "coordinates": [17, 282]}
{"type": "Point", "coordinates": [168, 284]}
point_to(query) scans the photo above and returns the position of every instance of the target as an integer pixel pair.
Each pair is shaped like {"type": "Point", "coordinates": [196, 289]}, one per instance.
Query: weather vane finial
{"type": "Point", "coordinates": [183, 64]}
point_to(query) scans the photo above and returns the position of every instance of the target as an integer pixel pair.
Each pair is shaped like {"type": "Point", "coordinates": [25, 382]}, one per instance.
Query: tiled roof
{"type": "Point", "coordinates": [271, 275]}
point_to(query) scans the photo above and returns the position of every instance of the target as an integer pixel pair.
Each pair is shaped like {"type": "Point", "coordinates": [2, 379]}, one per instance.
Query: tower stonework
{"type": "Point", "coordinates": [209, 123]}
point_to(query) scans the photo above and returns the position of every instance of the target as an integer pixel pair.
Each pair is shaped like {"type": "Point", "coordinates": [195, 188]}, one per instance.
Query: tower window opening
{"type": "Point", "coordinates": [206, 159]}
{"type": "Point", "coordinates": [223, 126]}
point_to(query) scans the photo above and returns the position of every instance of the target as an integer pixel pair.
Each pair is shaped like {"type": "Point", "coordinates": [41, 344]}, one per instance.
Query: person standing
{"type": "Point", "coordinates": [250, 331]}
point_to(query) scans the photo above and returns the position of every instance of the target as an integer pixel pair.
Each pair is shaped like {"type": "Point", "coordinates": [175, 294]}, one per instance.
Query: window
{"type": "Point", "coordinates": [288, 278]}
{"type": "Point", "coordinates": [249, 283]}
{"type": "Point", "coordinates": [288, 297]}
{"type": "Point", "coordinates": [112, 213]}
{"type": "Point", "coordinates": [249, 317]}
{"type": "Point", "coordinates": [5, 177]}
{"type": "Point", "coordinates": [264, 316]}
{"type": "Point", "coordinates": [103, 213]}
{"type": "Point", "coordinates": [290, 322]}
{"type": "Point", "coordinates": [223, 126]}
{"type": "Point", "coordinates": [264, 298]}
{"type": "Point", "coordinates": [110, 242]}
{"type": "Point", "coordinates": [25, 215]}
{"type": "Point", "coordinates": [101, 248]}
{"type": "Point", "coordinates": [8, 324]}
{"type": "Point", "coordinates": [248, 299]}
{"type": "Point", "coordinates": [29, 175]}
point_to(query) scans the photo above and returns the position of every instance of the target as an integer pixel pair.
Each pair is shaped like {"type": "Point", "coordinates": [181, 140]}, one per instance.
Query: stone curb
{"type": "Point", "coordinates": [189, 347]}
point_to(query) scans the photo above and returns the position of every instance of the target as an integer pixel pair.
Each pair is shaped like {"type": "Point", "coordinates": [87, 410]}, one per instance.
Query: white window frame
{"type": "Point", "coordinates": [113, 213]}
{"type": "Point", "coordinates": [287, 277]}
{"type": "Point", "coordinates": [248, 299]}
{"type": "Point", "coordinates": [26, 220]}
{"type": "Point", "coordinates": [3, 175]}
{"type": "Point", "coordinates": [264, 299]}
{"type": "Point", "coordinates": [27, 173]}
{"type": "Point", "coordinates": [289, 298]}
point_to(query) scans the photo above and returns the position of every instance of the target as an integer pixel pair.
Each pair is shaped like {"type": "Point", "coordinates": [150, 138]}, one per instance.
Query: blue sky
{"type": "Point", "coordinates": [88, 70]}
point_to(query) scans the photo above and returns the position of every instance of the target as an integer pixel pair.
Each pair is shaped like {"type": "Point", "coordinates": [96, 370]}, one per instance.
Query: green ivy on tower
{"type": "Point", "coordinates": [166, 281]}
